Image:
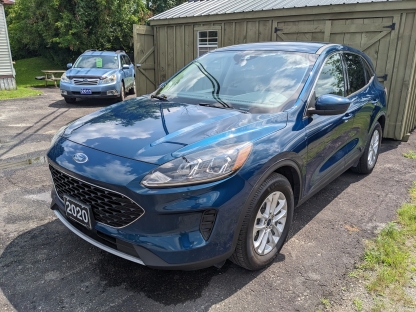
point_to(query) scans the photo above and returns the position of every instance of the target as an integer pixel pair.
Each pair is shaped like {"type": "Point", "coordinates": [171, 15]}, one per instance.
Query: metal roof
{"type": "Point", "coordinates": [214, 7]}
{"type": "Point", "coordinates": [304, 47]}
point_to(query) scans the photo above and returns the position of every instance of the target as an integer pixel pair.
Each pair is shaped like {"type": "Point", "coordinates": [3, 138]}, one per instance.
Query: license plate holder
{"type": "Point", "coordinates": [86, 91]}
{"type": "Point", "coordinates": [78, 211]}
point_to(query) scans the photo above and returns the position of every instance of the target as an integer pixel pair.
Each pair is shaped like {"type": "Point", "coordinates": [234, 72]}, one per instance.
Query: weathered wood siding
{"type": "Point", "coordinates": [386, 32]}
{"type": "Point", "coordinates": [7, 81]}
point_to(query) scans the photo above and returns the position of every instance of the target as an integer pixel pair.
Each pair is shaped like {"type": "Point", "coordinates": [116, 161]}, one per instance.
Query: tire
{"type": "Point", "coordinates": [122, 93]}
{"type": "Point", "coordinates": [70, 100]}
{"type": "Point", "coordinates": [369, 158]}
{"type": "Point", "coordinates": [133, 88]}
{"type": "Point", "coordinates": [249, 253]}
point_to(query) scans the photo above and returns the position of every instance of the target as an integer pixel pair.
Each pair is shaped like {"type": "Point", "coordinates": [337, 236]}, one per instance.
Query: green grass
{"type": "Point", "coordinates": [358, 304]}
{"type": "Point", "coordinates": [411, 155]}
{"type": "Point", "coordinates": [389, 261]}
{"type": "Point", "coordinates": [19, 93]}
{"type": "Point", "coordinates": [26, 71]}
{"type": "Point", "coordinates": [326, 303]}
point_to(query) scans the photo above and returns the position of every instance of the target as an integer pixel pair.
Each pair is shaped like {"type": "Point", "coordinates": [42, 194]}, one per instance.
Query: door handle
{"type": "Point", "coordinates": [347, 117]}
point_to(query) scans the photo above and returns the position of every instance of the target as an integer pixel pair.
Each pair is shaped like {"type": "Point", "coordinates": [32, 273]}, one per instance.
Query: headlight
{"type": "Point", "coordinates": [58, 134]}
{"type": "Point", "coordinates": [201, 167]}
{"type": "Point", "coordinates": [109, 79]}
{"type": "Point", "coordinates": [64, 78]}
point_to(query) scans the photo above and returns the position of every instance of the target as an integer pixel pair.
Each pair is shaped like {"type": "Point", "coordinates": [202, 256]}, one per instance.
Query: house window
{"type": "Point", "coordinates": [207, 41]}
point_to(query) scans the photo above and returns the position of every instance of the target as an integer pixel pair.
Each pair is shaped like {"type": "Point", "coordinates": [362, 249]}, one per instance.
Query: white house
{"type": "Point", "coordinates": [7, 72]}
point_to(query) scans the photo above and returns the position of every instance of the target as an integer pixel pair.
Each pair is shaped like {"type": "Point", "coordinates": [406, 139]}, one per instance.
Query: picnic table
{"type": "Point", "coordinates": [50, 75]}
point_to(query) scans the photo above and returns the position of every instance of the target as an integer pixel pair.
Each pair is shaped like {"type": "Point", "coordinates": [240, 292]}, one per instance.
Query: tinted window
{"type": "Point", "coordinates": [331, 79]}
{"type": "Point", "coordinates": [123, 60]}
{"type": "Point", "coordinates": [259, 81]}
{"type": "Point", "coordinates": [355, 69]}
{"type": "Point", "coordinates": [367, 70]}
{"type": "Point", "coordinates": [128, 62]}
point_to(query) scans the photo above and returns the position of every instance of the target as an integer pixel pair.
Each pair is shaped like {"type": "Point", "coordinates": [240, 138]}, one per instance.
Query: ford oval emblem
{"type": "Point", "coordinates": [80, 158]}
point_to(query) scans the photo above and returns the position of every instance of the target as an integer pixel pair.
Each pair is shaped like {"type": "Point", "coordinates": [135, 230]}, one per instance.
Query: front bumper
{"type": "Point", "coordinates": [98, 91]}
{"type": "Point", "coordinates": [168, 235]}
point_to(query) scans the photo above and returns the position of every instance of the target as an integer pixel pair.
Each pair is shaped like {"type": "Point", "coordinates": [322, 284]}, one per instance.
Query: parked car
{"type": "Point", "coordinates": [211, 165]}
{"type": "Point", "coordinates": [99, 74]}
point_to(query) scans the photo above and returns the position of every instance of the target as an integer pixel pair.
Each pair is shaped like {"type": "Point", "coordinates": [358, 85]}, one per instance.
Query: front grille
{"type": "Point", "coordinates": [85, 82]}
{"type": "Point", "coordinates": [108, 207]}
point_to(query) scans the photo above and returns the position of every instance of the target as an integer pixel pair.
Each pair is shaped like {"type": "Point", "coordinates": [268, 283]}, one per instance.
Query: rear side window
{"type": "Point", "coordinates": [367, 70]}
{"type": "Point", "coordinates": [355, 70]}
{"type": "Point", "coordinates": [331, 79]}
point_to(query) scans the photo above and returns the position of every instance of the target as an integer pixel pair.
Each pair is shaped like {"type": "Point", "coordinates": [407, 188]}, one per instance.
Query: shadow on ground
{"type": "Point", "coordinates": [49, 267]}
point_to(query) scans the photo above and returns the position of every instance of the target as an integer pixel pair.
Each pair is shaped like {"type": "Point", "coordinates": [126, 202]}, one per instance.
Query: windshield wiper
{"type": "Point", "coordinates": [161, 97]}
{"type": "Point", "coordinates": [222, 106]}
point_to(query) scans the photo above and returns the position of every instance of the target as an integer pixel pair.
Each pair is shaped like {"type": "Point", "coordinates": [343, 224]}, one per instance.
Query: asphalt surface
{"type": "Point", "coordinates": [44, 266]}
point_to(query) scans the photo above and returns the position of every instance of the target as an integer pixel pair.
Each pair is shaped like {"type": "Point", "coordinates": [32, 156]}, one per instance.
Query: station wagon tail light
{"type": "Point", "coordinates": [200, 167]}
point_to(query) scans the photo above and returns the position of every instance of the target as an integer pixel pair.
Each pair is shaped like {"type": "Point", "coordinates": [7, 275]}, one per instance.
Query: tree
{"type": "Point", "coordinates": [159, 6]}
{"type": "Point", "coordinates": [62, 29]}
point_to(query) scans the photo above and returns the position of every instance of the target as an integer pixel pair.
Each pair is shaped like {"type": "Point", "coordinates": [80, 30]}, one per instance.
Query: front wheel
{"type": "Point", "coordinates": [70, 100]}
{"type": "Point", "coordinates": [266, 224]}
{"type": "Point", "coordinates": [122, 93]}
{"type": "Point", "coordinates": [369, 158]}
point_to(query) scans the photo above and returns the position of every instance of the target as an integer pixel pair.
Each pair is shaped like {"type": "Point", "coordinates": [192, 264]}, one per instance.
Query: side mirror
{"type": "Point", "coordinates": [330, 104]}
{"type": "Point", "coordinates": [69, 65]}
{"type": "Point", "coordinates": [125, 66]}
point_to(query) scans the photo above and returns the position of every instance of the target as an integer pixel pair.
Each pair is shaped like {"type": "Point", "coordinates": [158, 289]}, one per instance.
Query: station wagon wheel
{"type": "Point", "coordinates": [122, 93]}
{"type": "Point", "coordinates": [266, 224]}
{"type": "Point", "coordinates": [369, 158]}
{"type": "Point", "coordinates": [70, 100]}
{"type": "Point", "coordinates": [133, 88]}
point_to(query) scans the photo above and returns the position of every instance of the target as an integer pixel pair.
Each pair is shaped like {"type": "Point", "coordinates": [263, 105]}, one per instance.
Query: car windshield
{"type": "Point", "coordinates": [97, 61]}
{"type": "Point", "coordinates": [255, 81]}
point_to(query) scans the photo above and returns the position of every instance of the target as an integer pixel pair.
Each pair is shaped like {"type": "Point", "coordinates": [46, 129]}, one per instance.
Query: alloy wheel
{"type": "Point", "coordinates": [269, 223]}
{"type": "Point", "coordinates": [373, 149]}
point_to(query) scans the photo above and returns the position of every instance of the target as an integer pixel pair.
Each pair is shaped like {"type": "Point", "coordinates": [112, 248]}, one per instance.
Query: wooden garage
{"type": "Point", "coordinates": [385, 30]}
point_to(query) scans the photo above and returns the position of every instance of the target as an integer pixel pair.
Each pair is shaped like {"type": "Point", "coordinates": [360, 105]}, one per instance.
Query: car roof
{"type": "Point", "coordinates": [305, 47]}
{"type": "Point", "coordinates": [103, 53]}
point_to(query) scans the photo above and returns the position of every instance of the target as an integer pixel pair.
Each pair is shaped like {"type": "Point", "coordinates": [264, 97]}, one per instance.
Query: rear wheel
{"type": "Point", "coordinates": [266, 224]}
{"type": "Point", "coordinates": [369, 158]}
{"type": "Point", "coordinates": [70, 100]}
{"type": "Point", "coordinates": [133, 88]}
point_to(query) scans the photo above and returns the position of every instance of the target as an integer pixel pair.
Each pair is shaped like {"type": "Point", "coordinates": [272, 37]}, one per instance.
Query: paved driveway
{"type": "Point", "coordinates": [44, 266]}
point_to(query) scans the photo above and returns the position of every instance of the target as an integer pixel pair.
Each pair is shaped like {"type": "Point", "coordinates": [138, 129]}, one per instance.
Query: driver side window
{"type": "Point", "coordinates": [331, 79]}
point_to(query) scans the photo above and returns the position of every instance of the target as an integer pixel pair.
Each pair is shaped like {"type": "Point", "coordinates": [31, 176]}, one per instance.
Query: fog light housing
{"type": "Point", "coordinates": [63, 92]}
{"type": "Point", "coordinates": [112, 92]}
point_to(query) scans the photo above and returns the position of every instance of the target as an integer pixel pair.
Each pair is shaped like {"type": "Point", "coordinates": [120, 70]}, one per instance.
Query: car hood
{"type": "Point", "coordinates": [89, 72]}
{"type": "Point", "coordinates": [158, 131]}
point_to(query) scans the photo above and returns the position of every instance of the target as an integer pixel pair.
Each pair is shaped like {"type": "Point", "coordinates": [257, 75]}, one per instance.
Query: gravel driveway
{"type": "Point", "coordinates": [44, 266]}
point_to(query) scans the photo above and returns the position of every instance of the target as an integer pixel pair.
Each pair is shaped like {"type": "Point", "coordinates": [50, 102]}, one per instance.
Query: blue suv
{"type": "Point", "coordinates": [211, 165]}
{"type": "Point", "coordinates": [99, 74]}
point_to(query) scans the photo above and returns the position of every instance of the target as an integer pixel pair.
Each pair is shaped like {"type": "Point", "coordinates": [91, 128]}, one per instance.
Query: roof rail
{"type": "Point", "coordinates": [90, 50]}
{"type": "Point", "coordinates": [120, 51]}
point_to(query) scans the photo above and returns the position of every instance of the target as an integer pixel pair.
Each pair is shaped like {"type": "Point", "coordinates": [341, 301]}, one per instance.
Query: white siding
{"type": "Point", "coordinates": [6, 67]}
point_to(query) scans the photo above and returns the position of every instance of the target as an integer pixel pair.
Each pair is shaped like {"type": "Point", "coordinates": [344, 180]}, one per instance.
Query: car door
{"type": "Point", "coordinates": [131, 70]}
{"type": "Point", "coordinates": [124, 72]}
{"type": "Point", "coordinates": [327, 136]}
{"type": "Point", "coordinates": [363, 98]}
